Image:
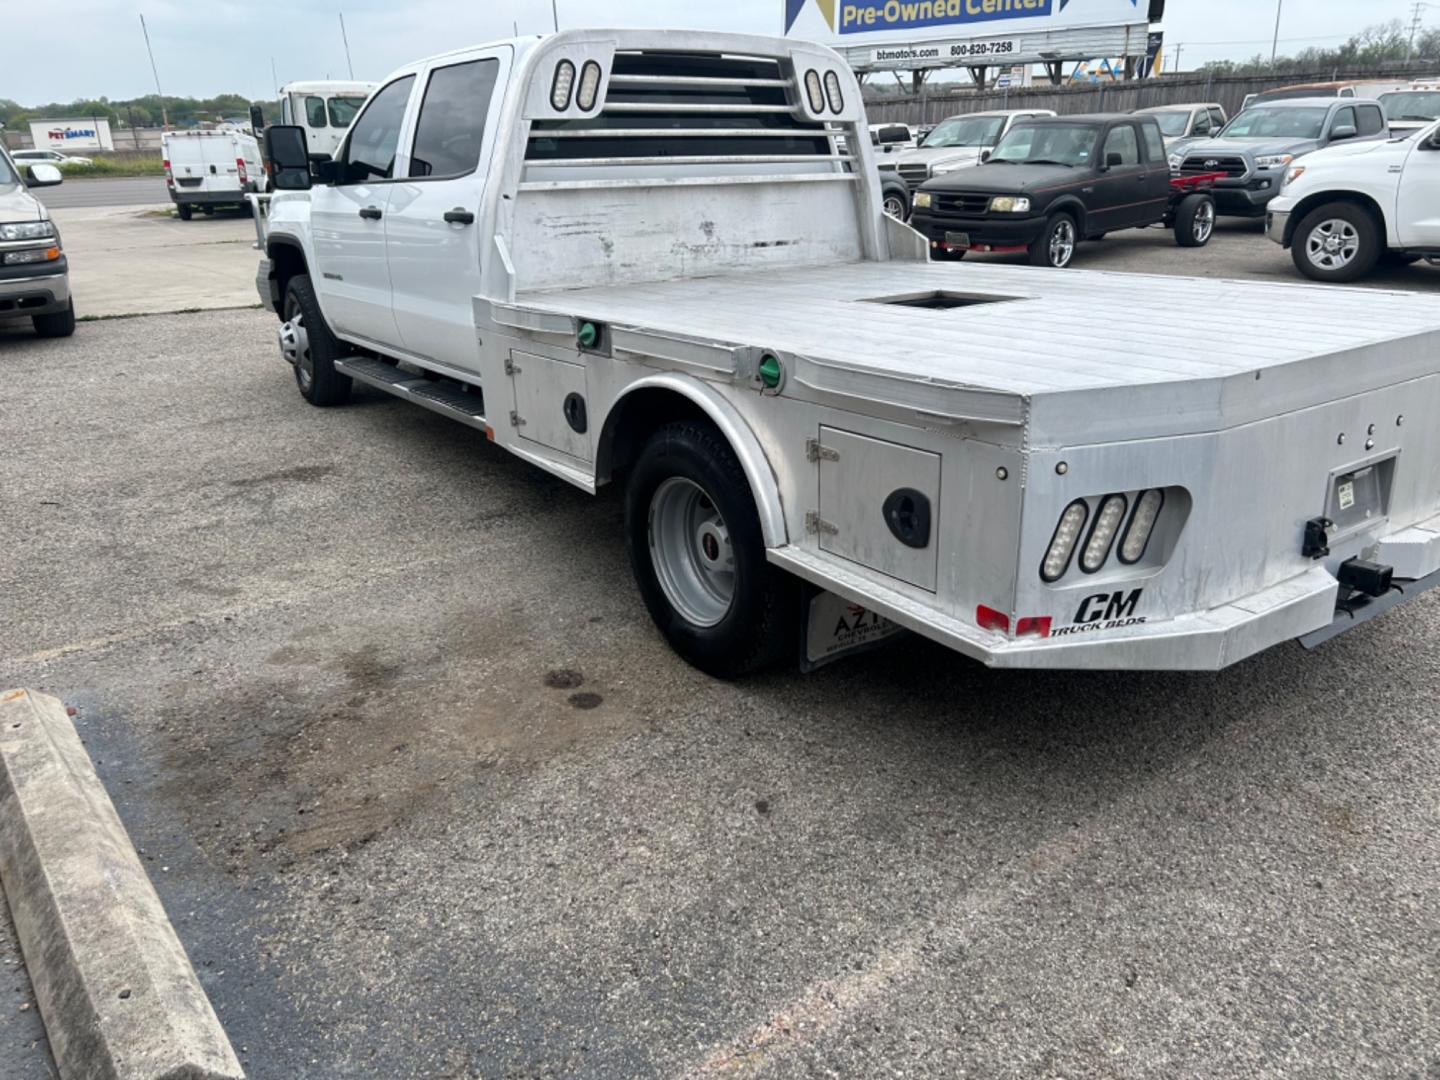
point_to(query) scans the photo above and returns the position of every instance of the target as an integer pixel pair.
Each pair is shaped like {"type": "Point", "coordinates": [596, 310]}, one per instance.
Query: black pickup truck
{"type": "Point", "coordinates": [1053, 181]}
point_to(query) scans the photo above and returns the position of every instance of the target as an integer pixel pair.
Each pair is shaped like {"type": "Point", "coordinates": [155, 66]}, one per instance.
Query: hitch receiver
{"type": "Point", "coordinates": [1361, 575]}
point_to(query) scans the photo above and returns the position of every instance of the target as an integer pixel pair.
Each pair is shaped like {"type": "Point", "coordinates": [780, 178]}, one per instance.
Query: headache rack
{"type": "Point", "coordinates": [679, 117]}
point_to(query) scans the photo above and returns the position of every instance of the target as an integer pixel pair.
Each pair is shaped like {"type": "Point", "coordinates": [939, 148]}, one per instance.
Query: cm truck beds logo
{"type": "Point", "coordinates": [869, 16]}
{"type": "Point", "coordinates": [1105, 611]}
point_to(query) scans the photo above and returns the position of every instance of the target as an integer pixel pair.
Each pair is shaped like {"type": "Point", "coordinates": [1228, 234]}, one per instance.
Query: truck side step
{"type": "Point", "coordinates": [444, 396]}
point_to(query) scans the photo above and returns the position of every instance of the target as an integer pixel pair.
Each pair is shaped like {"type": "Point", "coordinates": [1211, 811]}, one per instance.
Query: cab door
{"type": "Point", "coordinates": [432, 227]}
{"type": "Point", "coordinates": [1417, 210]}
{"type": "Point", "coordinates": [1120, 189]}
{"type": "Point", "coordinates": [347, 222]}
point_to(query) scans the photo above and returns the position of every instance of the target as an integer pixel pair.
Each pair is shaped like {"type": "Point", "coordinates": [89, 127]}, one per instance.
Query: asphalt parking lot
{"type": "Point", "coordinates": [426, 796]}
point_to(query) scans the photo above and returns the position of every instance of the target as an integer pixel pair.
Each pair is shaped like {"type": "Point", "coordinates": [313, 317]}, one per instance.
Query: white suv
{"type": "Point", "coordinates": [34, 279]}
{"type": "Point", "coordinates": [1342, 208]}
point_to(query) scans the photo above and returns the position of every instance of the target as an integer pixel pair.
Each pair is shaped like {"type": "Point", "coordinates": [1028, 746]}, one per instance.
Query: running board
{"type": "Point", "coordinates": [444, 396]}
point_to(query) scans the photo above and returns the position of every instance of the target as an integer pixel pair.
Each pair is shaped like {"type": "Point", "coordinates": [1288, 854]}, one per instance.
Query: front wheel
{"type": "Point", "coordinates": [1336, 242]}
{"type": "Point", "coordinates": [1055, 246]}
{"type": "Point", "coordinates": [307, 343]}
{"type": "Point", "coordinates": [1194, 220]}
{"type": "Point", "coordinates": [57, 324]}
{"type": "Point", "coordinates": [699, 556]}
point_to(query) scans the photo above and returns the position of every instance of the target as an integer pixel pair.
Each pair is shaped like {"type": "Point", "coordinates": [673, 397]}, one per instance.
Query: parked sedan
{"type": "Point", "coordinates": [49, 157]}
{"type": "Point", "coordinates": [1255, 148]}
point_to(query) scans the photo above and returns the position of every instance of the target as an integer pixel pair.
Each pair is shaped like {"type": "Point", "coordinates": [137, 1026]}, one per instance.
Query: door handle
{"type": "Point", "coordinates": [370, 213]}
{"type": "Point", "coordinates": [459, 216]}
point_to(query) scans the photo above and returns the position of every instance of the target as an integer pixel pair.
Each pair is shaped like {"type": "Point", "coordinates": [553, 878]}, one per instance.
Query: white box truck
{"type": "Point", "coordinates": [640, 257]}
{"type": "Point", "coordinates": [206, 169]}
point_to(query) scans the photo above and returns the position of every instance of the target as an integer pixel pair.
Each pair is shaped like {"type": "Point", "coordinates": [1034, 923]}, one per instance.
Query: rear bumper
{"type": "Point", "coordinates": [1302, 608]}
{"type": "Point", "coordinates": [35, 293]}
{"type": "Point", "coordinates": [197, 197]}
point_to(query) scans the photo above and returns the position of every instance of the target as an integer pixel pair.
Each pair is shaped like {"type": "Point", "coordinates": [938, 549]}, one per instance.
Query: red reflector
{"type": "Point", "coordinates": [990, 619]}
{"type": "Point", "coordinates": [1033, 624]}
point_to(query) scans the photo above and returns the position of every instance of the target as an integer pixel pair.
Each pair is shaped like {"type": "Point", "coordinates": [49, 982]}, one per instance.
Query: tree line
{"type": "Point", "coordinates": [1383, 43]}
{"type": "Point", "coordinates": [136, 112]}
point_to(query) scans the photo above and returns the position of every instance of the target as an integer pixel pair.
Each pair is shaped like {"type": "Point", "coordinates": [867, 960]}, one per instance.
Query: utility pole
{"type": "Point", "coordinates": [346, 40]}
{"type": "Point", "coordinates": [164, 115]}
{"type": "Point", "coordinates": [1417, 16]}
{"type": "Point", "coordinates": [1275, 44]}
{"type": "Point", "coordinates": [555, 14]}
{"type": "Point", "coordinates": [1178, 46]}
{"type": "Point", "coordinates": [273, 76]}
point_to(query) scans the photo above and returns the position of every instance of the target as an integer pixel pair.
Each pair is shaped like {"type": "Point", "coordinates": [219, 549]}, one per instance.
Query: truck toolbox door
{"type": "Point", "coordinates": [433, 229]}
{"type": "Point", "coordinates": [347, 221]}
{"type": "Point", "coordinates": [1417, 214]}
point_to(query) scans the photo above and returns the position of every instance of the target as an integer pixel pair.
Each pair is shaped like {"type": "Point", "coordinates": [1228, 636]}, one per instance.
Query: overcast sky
{"type": "Point", "coordinates": [60, 50]}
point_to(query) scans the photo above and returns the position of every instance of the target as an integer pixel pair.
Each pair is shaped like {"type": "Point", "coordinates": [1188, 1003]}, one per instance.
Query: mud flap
{"type": "Point", "coordinates": [832, 627]}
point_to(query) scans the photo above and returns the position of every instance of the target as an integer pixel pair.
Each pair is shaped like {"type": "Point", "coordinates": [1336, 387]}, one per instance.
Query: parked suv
{"type": "Point", "coordinates": [1256, 147]}
{"type": "Point", "coordinates": [34, 282]}
{"type": "Point", "coordinates": [1342, 210]}
{"type": "Point", "coordinates": [1053, 181]}
{"type": "Point", "coordinates": [1199, 120]}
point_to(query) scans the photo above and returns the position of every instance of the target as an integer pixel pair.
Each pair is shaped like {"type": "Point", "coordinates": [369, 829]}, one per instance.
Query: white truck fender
{"type": "Point", "coordinates": [742, 440]}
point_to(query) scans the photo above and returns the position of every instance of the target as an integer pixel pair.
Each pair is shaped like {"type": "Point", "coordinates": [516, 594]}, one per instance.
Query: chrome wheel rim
{"type": "Point", "coordinates": [295, 348]}
{"type": "Point", "coordinates": [691, 552]}
{"type": "Point", "coordinates": [1204, 222]}
{"type": "Point", "coordinates": [895, 206]}
{"type": "Point", "coordinates": [1333, 244]}
{"type": "Point", "coordinates": [1062, 243]}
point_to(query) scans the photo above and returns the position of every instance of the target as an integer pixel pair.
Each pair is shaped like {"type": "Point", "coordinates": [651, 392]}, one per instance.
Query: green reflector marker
{"type": "Point", "coordinates": [770, 370]}
{"type": "Point", "coordinates": [589, 334]}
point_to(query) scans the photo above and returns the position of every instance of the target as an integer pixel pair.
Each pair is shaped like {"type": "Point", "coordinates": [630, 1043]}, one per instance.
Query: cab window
{"type": "Point", "coordinates": [1371, 120]}
{"type": "Point", "coordinates": [315, 111]}
{"type": "Point", "coordinates": [451, 126]}
{"type": "Point", "coordinates": [286, 116]}
{"type": "Point", "coordinates": [375, 136]}
{"type": "Point", "coordinates": [1154, 144]}
{"type": "Point", "coordinates": [1122, 141]}
{"type": "Point", "coordinates": [1342, 118]}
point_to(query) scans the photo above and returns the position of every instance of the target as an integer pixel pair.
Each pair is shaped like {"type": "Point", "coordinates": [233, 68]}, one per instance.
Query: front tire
{"type": "Point", "coordinates": [56, 324]}
{"type": "Point", "coordinates": [1194, 221]}
{"type": "Point", "coordinates": [1336, 242]}
{"type": "Point", "coordinates": [699, 556]}
{"type": "Point", "coordinates": [306, 341]}
{"type": "Point", "coordinates": [1055, 246]}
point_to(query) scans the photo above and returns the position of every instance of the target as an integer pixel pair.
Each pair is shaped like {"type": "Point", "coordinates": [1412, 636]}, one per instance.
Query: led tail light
{"type": "Point", "coordinates": [832, 91]}
{"type": "Point", "coordinates": [563, 84]}
{"type": "Point", "coordinates": [1142, 524]}
{"type": "Point", "coordinates": [814, 91]}
{"type": "Point", "coordinates": [1062, 544]}
{"type": "Point", "coordinates": [589, 86]}
{"type": "Point", "coordinates": [1102, 533]}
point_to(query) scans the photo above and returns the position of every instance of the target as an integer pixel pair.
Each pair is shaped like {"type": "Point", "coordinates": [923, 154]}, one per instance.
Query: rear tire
{"type": "Point", "coordinates": [1194, 220]}
{"type": "Point", "coordinates": [316, 347]}
{"type": "Point", "coordinates": [1055, 246]}
{"type": "Point", "coordinates": [56, 324]}
{"type": "Point", "coordinates": [1337, 242]}
{"type": "Point", "coordinates": [699, 556]}
{"type": "Point", "coordinates": [184, 210]}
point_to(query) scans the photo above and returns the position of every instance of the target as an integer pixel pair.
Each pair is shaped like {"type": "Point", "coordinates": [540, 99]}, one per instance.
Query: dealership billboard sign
{"type": "Point", "coordinates": [90, 133]}
{"type": "Point", "coordinates": [949, 33]}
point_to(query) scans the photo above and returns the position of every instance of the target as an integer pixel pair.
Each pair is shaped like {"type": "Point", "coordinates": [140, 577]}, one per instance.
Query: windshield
{"type": "Point", "coordinates": [965, 131]}
{"type": "Point", "coordinates": [1052, 144]}
{"type": "Point", "coordinates": [1172, 123]}
{"type": "Point", "coordinates": [343, 110]}
{"type": "Point", "coordinates": [1412, 105]}
{"type": "Point", "coordinates": [1261, 122]}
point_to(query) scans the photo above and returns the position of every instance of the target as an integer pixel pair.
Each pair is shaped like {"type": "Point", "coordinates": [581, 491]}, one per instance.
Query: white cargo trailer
{"type": "Point", "coordinates": [641, 257]}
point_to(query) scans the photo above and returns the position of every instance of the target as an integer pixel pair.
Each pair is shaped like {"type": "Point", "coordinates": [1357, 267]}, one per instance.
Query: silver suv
{"type": "Point", "coordinates": [34, 278]}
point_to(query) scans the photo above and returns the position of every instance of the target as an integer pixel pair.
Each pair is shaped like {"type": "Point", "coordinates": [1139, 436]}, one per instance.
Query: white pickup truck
{"type": "Point", "coordinates": [640, 257]}
{"type": "Point", "coordinates": [1343, 209]}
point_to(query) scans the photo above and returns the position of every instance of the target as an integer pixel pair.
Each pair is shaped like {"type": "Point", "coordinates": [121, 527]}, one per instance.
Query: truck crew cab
{"type": "Point", "coordinates": [640, 257]}
{"type": "Point", "coordinates": [1051, 181]}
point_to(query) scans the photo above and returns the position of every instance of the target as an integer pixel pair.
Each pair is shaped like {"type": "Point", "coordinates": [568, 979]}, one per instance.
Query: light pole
{"type": "Point", "coordinates": [1275, 44]}
{"type": "Point", "coordinates": [164, 115]}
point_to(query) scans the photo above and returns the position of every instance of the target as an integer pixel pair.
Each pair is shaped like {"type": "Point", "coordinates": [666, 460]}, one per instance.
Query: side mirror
{"type": "Point", "coordinates": [1113, 158]}
{"type": "Point", "coordinates": [288, 156]}
{"type": "Point", "coordinates": [42, 175]}
{"type": "Point", "coordinates": [257, 119]}
{"type": "Point", "coordinates": [1432, 141]}
{"type": "Point", "coordinates": [1342, 131]}
{"type": "Point", "coordinates": [984, 155]}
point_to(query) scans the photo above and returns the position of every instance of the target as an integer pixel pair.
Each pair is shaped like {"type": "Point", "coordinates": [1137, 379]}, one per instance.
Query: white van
{"type": "Point", "coordinates": [206, 169]}
{"type": "Point", "coordinates": [324, 109]}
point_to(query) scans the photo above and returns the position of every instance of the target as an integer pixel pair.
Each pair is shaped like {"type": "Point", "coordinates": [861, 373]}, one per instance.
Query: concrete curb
{"type": "Point", "coordinates": [118, 995]}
